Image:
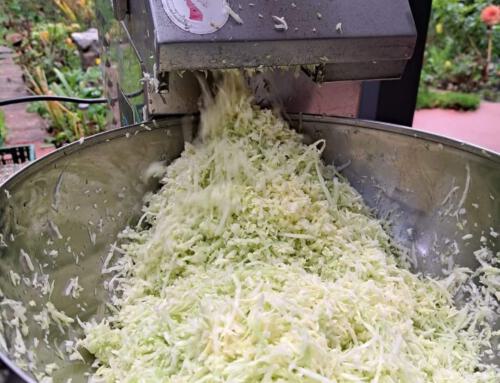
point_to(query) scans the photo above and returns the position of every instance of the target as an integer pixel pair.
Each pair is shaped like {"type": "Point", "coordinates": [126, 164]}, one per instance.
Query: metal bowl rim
{"type": "Point", "coordinates": [405, 131]}
{"type": "Point", "coordinates": [90, 141]}
{"type": "Point", "coordinates": [169, 122]}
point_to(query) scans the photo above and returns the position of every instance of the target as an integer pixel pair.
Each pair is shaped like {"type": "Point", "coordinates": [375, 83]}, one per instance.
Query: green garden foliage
{"type": "Point", "coordinates": [455, 58]}
{"type": "Point", "coordinates": [40, 34]}
{"type": "Point", "coordinates": [3, 129]}
{"type": "Point", "coordinates": [429, 99]}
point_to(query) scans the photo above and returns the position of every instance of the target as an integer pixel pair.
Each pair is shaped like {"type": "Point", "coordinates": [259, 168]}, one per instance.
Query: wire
{"type": "Point", "coordinates": [20, 100]}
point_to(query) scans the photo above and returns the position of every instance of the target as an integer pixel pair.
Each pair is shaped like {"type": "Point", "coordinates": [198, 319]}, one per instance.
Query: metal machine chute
{"type": "Point", "coordinates": [325, 41]}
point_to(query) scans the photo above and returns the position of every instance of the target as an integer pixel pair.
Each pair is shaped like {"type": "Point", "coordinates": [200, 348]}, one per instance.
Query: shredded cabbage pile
{"type": "Point", "coordinates": [255, 262]}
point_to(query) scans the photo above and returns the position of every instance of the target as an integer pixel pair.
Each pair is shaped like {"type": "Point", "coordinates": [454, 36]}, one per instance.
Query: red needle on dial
{"type": "Point", "coordinates": [194, 13]}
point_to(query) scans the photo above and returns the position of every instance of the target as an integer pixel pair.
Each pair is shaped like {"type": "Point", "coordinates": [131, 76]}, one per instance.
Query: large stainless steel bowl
{"type": "Point", "coordinates": [441, 197]}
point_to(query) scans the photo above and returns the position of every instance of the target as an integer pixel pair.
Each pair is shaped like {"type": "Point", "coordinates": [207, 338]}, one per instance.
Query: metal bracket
{"type": "Point", "coordinates": [163, 82]}
{"type": "Point", "coordinates": [126, 110]}
{"type": "Point", "coordinates": [120, 8]}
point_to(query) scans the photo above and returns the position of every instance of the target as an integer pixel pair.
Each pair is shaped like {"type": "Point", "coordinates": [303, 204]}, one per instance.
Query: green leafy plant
{"type": "Point", "coordinates": [22, 12]}
{"type": "Point", "coordinates": [49, 47]}
{"type": "Point", "coordinates": [456, 54]}
{"type": "Point", "coordinates": [71, 122]}
{"type": "Point", "coordinates": [19, 16]}
{"type": "Point", "coordinates": [3, 28]}
{"type": "Point", "coordinates": [81, 11]}
{"type": "Point", "coordinates": [428, 99]}
{"type": "Point", "coordinates": [52, 64]}
{"type": "Point", "coordinates": [3, 128]}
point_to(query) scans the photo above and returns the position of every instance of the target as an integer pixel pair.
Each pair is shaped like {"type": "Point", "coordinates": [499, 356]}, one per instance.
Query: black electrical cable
{"type": "Point", "coordinates": [20, 100]}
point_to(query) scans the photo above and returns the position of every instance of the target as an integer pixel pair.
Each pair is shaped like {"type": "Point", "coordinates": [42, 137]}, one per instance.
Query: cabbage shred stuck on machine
{"type": "Point", "coordinates": [158, 44]}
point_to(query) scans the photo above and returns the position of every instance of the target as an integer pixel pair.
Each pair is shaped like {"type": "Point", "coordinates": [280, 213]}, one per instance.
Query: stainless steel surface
{"type": "Point", "coordinates": [181, 97]}
{"type": "Point", "coordinates": [297, 93]}
{"type": "Point", "coordinates": [381, 31]}
{"type": "Point", "coordinates": [7, 170]}
{"type": "Point", "coordinates": [405, 175]}
{"type": "Point", "coordinates": [349, 39]}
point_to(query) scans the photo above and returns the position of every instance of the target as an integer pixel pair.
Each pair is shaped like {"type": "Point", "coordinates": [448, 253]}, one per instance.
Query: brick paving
{"type": "Point", "coordinates": [22, 127]}
{"type": "Point", "coordinates": [481, 127]}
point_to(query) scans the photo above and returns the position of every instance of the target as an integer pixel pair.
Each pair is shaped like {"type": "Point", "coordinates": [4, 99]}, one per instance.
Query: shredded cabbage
{"type": "Point", "coordinates": [255, 262]}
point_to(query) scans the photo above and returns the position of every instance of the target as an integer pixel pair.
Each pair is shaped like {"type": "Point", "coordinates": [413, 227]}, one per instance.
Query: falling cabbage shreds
{"type": "Point", "coordinates": [255, 262]}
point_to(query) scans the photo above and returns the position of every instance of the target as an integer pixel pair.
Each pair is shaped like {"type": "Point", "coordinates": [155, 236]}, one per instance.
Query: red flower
{"type": "Point", "coordinates": [491, 15]}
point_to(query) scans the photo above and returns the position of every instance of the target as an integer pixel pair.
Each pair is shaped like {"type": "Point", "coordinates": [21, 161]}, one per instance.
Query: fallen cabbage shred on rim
{"type": "Point", "coordinates": [256, 262]}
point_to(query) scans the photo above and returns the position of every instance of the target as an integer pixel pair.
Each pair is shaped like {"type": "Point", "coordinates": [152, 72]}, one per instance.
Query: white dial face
{"type": "Point", "coordinates": [197, 16]}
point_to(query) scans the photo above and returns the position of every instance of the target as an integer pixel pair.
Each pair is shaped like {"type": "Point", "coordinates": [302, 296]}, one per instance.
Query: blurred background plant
{"type": "Point", "coordinates": [77, 11]}
{"type": "Point", "coordinates": [3, 129]}
{"type": "Point", "coordinates": [430, 99]}
{"type": "Point", "coordinates": [70, 122]}
{"type": "Point", "coordinates": [49, 47]}
{"type": "Point", "coordinates": [456, 57]}
{"type": "Point", "coordinates": [40, 33]}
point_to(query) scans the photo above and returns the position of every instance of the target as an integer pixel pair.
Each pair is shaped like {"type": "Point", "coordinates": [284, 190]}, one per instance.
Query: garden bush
{"type": "Point", "coordinates": [51, 62]}
{"type": "Point", "coordinates": [71, 122]}
{"type": "Point", "coordinates": [456, 54]}
{"type": "Point", "coordinates": [447, 100]}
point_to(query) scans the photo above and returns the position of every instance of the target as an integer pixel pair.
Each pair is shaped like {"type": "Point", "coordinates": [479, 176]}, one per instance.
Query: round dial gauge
{"type": "Point", "coordinates": [197, 16]}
